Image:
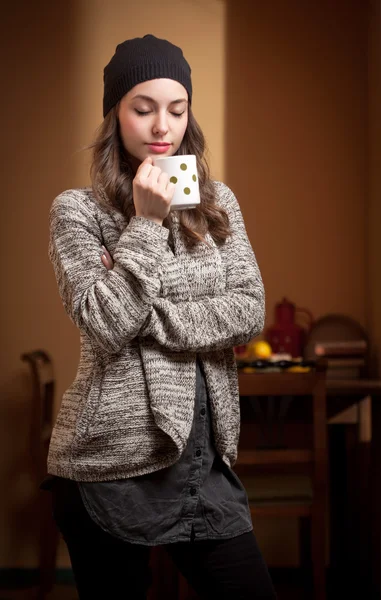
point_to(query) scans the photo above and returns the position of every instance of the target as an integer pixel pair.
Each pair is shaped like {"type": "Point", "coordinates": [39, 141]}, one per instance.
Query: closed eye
{"type": "Point", "coordinates": [142, 113]}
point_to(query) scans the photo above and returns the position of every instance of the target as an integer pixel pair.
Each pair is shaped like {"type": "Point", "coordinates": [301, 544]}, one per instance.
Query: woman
{"type": "Point", "coordinates": [143, 445]}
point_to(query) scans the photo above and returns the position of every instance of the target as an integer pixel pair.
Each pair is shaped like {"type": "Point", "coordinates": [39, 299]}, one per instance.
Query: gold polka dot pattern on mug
{"type": "Point", "coordinates": [174, 179]}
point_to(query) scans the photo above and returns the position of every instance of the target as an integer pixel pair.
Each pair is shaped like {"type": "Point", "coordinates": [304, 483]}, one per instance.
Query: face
{"type": "Point", "coordinates": [153, 117]}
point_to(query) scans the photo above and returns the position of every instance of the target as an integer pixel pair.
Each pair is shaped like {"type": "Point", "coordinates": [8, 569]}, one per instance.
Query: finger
{"type": "Point", "coordinates": [155, 174]}
{"type": "Point", "coordinates": [145, 167]}
{"type": "Point", "coordinates": [146, 161]}
{"type": "Point", "coordinates": [106, 259]}
{"type": "Point", "coordinates": [170, 189]}
{"type": "Point", "coordinates": [106, 262]}
{"type": "Point", "coordinates": [163, 179]}
{"type": "Point", "coordinates": [106, 252]}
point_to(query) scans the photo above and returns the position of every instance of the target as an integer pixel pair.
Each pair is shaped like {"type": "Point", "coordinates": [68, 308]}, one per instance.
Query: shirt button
{"type": "Point", "coordinates": [198, 452]}
{"type": "Point", "coordinates": [202, 412]}
{"type": "Point", "coordinates": [193, 491]}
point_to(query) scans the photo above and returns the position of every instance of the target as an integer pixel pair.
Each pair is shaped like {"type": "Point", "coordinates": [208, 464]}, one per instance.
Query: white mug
{"type": "Point", "coordinates": [182, 171]}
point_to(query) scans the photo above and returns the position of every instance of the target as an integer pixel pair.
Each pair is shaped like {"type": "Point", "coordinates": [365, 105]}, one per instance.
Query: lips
{"type": "Point", "coordinates": [160, 144]}
{"type": "Point", "coordinates": [159, 147]}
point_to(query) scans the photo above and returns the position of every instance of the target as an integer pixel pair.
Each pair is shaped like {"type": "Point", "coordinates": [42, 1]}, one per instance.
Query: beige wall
{"type": "Point", "coordinates": [38, 139]}
{"type": "Point", "coordinates": [296, 156]}
{"type": "Point", "coordinates": [296, 146]}
{"type": "Point", "coordinates": [53, 106]}
{"type": "Point", "coordinates": [374, 206]}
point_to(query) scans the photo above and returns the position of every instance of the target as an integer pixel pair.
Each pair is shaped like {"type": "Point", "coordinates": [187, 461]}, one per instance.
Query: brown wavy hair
{"type": "Point", "coordinates": [112, 176]}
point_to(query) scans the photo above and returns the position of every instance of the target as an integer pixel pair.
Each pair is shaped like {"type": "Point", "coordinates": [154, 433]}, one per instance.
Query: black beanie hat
{"type": "Point", "coordinates": [142, 59]}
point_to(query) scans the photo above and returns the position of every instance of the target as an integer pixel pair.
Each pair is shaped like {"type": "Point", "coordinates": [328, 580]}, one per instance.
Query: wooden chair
{"type": "Point", "coordinates": [283, 480]}
{"type": "Point", "coordinates": [41, 427]}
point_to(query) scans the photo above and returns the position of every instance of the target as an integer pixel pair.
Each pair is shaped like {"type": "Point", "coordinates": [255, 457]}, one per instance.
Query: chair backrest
{"type": "Point", "coordinates": [269, 401]}
{"type": "Point", "coordinates": [43, 399]}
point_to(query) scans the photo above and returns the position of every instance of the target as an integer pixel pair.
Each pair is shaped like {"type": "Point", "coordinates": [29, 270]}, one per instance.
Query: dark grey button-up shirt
{"type": "Point", "coordinates": [199, 497]}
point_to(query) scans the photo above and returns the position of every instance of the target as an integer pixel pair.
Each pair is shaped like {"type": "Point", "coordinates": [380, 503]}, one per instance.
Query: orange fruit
{"type": "Point", "coordinates": [261, 349]}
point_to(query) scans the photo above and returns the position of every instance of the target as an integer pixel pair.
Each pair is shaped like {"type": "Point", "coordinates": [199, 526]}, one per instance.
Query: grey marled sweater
{"type": "Point", "coordinates": [129, 410]}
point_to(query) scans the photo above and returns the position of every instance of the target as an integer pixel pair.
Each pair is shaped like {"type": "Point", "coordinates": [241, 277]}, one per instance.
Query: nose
{"type": "Point", "coordinates": [161, 124]}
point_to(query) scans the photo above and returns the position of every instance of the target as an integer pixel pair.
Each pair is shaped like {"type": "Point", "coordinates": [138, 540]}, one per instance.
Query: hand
{"type": "Point", "coordinates": [106, 259]}
{"type": "Point", "coordinates": [152, 192]}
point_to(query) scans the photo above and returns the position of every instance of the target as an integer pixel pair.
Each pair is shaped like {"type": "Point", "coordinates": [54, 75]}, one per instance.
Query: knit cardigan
{"type": "Point", "coordinates": [142, 324]}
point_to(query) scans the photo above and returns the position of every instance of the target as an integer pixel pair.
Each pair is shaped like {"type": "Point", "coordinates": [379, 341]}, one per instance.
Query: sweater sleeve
{"type": "Point", "coordinates": [215, 323]}
{"type": "Point", "coordinates": [109, 306]}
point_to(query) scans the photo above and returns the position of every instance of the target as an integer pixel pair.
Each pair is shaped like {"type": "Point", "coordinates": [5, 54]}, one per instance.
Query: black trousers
{"type": "Point", "coordinates": [109, 568]}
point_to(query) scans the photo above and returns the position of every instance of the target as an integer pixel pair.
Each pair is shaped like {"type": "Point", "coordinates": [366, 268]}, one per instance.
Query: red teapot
{"type": "Point", "coordinates": [286, 336]}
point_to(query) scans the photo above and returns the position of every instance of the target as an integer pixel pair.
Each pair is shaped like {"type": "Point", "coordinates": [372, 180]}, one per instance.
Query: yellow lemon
{"type": "Point", "coordinates": [261, 349]}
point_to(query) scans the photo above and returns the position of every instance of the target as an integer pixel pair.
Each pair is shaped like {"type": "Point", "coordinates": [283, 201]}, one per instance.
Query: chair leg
{"type": "Point", "coordinates": [318, 518]}
{"type": "Point", "coordinates": [318, 550]}
{"type": "Point", "coordinates": [305, 559]}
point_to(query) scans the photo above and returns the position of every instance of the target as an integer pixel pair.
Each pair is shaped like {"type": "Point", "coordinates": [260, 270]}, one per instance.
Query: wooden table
{"type": "Point", "coordinates": [283, 385]}
{"type": "Point", "coordinates": [361, 521]}
{"type": "Point", "coordinates": [364, 553]}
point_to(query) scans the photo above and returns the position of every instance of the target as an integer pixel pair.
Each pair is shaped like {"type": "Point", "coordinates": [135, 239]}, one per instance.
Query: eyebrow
{"type": "Point", "coordinates": [143, 97]}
